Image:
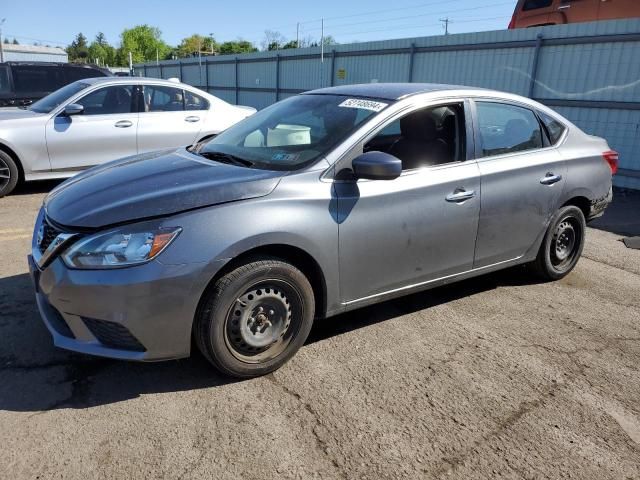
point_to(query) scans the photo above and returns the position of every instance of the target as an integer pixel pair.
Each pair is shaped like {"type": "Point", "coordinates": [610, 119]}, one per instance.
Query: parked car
{"type": "Point", "coordinates": [95, 120]}
{"type": "Point", "coordinates": [320, 204]}
{"type": "Point", "coordinates": [22, 83]}
{"type": "Point", "coordinates": [535, 13]}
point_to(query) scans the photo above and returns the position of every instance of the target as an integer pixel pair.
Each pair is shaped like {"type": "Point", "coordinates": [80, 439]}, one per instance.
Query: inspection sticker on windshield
{"type": "Point", "coordinates": [364, 104]}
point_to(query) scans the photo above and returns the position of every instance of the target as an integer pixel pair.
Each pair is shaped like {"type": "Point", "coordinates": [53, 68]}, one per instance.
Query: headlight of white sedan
{"type": "Point", "coordinates": [119, 248]}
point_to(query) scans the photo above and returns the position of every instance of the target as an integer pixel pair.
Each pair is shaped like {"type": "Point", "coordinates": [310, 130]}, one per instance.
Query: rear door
{"type": "Point", "coordinates": [105, 131]}
{"type": "Point", "coordinates": [522, 177]}
{"type": "Point", "coordinates": [169, 117]}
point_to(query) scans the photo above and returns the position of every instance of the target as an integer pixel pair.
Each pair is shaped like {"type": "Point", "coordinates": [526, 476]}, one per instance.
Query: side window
{"type": "Point", "coordinates": [194, 102]}
{"type": "Point", "coordinates": [507, 128]}
{"type": "Point", "coordinates": [30, 78]}
{"type": "Point", "coordinates": [536, 4]}
{"type": "Point", "coordinates": [108, 100]}
{"type": "Point", "coordinates": [426, 137]}
{"type": "Point", "coordinates": [4, 80]}
{"type": "Point", "coordinates": [163, 99]}
{"type": "Point", "coordinates": [554, 128]}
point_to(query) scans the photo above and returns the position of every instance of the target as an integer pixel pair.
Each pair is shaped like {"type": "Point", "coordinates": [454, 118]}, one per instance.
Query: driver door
{"type": "Point", "coordinates": [420, 227]}
{"type": "Point", "coordinates": [104, 131]}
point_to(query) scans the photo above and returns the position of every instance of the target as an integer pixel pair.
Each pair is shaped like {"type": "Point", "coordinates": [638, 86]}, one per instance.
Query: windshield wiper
{"type": "Point", "coordinates": [227, 158]}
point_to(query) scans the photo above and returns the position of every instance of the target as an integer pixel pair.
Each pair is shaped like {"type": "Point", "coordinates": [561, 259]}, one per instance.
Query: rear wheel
{"type": "Point", "coordinates": [562, 244]}
{"type": "Point", "coordinates": [255, 318]}
{"type": "Point", "coordinates": [8, 174]}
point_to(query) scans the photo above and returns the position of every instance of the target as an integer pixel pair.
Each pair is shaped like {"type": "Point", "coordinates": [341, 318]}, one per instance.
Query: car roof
{"type": "Point", "coordinates": [116, 79]}
{"type": "Point", "coordinates": [387, 91]}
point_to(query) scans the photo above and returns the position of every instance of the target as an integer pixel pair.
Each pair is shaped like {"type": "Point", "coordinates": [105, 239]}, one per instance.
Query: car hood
{"type": "Point", "coordinates": [15, 113]}
{"type": "Point", "coordinates": [152, 185]}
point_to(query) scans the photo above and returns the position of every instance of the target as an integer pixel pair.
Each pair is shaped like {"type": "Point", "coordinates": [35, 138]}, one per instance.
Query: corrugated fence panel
{"type": "Point", "coordinates": [194, 75]}
{"type": "Point", "coordinates": [605, 72]}
{"type": "Point", "coordinates": [223, 75]}
{"type": "Point", "coordinates": [304, 74]}
{"type": "Point", "coordinates": [257, 74]}
{"type": "Point", "coordinates": [502, 69]}
{"type": "Point", "coordinates": [581, 69]}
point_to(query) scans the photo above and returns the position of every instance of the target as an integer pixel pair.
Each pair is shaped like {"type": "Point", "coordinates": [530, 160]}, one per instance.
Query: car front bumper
{"type": "Point", "coordinates": [140, 313]}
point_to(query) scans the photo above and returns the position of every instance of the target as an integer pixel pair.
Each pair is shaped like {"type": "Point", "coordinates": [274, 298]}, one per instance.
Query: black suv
{"type": "Point", "coordinates": [22, 83]}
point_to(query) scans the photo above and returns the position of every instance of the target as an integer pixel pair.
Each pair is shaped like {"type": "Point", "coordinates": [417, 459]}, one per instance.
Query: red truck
{"type": "Point", "coordinates": [535, 13]}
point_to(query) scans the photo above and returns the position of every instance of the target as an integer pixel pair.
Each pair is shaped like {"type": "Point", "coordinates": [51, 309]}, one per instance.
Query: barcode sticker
{"type": "Point", "coordinates": [363, 104]}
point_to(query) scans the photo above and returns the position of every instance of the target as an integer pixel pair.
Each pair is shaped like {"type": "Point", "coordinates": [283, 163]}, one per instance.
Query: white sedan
{"type": "Point", "coordinates": [96, 120]}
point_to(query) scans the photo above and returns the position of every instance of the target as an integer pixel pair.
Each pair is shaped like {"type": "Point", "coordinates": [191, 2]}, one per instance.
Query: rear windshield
{"type": "Point", "coordinates": [53, 100]}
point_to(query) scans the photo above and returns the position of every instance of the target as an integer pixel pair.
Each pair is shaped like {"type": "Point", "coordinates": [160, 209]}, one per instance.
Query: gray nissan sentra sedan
{"type": "Point", "coordinates": [319, 204]}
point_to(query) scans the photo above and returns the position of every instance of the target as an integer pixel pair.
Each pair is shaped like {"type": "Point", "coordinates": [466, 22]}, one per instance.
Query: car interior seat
{"type": "Point", "coordinates": [419, 145]}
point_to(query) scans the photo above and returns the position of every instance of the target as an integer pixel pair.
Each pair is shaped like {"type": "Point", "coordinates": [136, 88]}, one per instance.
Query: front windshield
{"type": "Point", "coordinates": [294, 132]}
{"type": "Point", "coordinates": [51, 101]}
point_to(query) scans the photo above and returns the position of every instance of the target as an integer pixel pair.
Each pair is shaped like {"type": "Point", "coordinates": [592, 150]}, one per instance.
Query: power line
{"type": "Point", "coordinates": [421, 26]}
{"type": "Point", "coordinates": [430, 14]}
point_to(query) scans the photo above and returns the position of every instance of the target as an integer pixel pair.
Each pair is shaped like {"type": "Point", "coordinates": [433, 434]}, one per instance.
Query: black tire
{"type": "Point", "coordinates": [255, 318]}
{"type": "Point", "coordinates": [9, 174]}
{"type": "Point", "coordinates": [562, 244]}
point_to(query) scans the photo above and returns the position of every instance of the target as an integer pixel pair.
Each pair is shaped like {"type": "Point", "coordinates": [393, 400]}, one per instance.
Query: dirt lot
{"type": "Point", "coordinates": [496, 377]}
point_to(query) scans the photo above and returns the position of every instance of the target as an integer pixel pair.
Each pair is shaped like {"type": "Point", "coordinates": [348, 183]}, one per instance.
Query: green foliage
{"type": "Point", "coordinates": [190, 46]}
{"type": "Point", "coordinates": [15, 42]}
{"type": "Point", "coordinates": [101, 50]}
{"type": "Point", "coordinates": [78, 51]}
{"type": "Point", "coordinates": [237, 46]}
{"type": "Point", "coordinates": [144, 42]}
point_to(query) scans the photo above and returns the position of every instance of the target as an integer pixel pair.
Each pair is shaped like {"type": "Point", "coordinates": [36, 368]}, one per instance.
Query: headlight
{"type": "Point", "coordinates": [119, 248]}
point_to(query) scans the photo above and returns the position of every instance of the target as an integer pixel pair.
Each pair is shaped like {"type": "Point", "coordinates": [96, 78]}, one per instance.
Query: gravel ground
{"type": "Point", "coordinates": [496, 377]}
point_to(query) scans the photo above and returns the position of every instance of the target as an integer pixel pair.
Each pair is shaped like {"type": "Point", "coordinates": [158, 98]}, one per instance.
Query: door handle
{"type": "Point", "coordinates": [460, 195]}
{"type": "Point", "coordinates": [192, 119]}
{"type": "Point", "coordinates": [123, 124]}
{"type": "Point", "coordinates": [550, 179]}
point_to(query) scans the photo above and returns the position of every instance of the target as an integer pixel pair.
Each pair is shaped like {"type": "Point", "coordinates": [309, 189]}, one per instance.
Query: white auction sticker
{"type": "Point", "coordinates": [364, 104]}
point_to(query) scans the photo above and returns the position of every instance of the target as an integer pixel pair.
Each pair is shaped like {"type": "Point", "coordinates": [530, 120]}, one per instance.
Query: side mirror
{"type": "Point", "coordinates": [377, 166]}
{"type": "Point", "coordinates": [73, 109]}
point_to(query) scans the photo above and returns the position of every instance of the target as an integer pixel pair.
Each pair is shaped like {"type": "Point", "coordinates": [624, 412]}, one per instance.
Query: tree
{"type": "Point", "coordinates": [6, 40]}
{"type": "Point", "coordinates": [328, 40]}
{"type": "Point", "coordinates": [290, 44]}
{"type": "Point", "coordinates": [144, 42]}
{"type": "Point", "coordinates": [273, 40]}
{"type": "Point", "coordinates": [102, 51]}
{"type": "Point", "coordinates": [15, 42]}
{"type": "Point", "coordinates": [192, 45]}
{"type": "Point", "coordinates": [237, 46]}
{"type": "Point", "coordinates": [78, 49]}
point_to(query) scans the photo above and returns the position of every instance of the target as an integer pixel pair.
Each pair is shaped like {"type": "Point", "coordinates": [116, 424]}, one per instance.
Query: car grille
{"type": "Point", "coordinates": [49, 234]}
{"type": "Point", "coordinates": [113, 335]}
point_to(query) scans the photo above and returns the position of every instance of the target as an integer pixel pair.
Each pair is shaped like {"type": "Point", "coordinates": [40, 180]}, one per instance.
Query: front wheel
{"type": "Point", "coordinates": [562, 244]}
{"type": "Point", "coordinates": [255, 318]}
{"type": "Point", "coordinates": [8, 174]}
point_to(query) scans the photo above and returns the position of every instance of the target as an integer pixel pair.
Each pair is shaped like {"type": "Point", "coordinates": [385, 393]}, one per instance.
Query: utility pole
{"type": "Point", "coordinates": [211, 37]}
{"type": "Point", "coordinates": [298, 35]}
{"type": "Point", "coordinates": [130, 63]}
{"type": "Point", "coordinates": [445, 24]}
{"type": "Point", "coordinates": [322, 43]}
{"type": "Point", "coordinates": [1, 46]}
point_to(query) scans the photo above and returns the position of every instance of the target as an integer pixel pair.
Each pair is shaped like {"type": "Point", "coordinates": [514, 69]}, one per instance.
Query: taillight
{"type": "Point", "coordinates": [611, 157]}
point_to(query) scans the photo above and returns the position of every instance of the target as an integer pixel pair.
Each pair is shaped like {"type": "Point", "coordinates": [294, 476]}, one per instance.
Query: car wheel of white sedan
{"type": "Point", "coordinates": [8, 174]}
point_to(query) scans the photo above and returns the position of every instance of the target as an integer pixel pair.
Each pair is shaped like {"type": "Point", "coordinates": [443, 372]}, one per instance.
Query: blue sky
{"type": "Point", "coordinates": [56, 23]}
